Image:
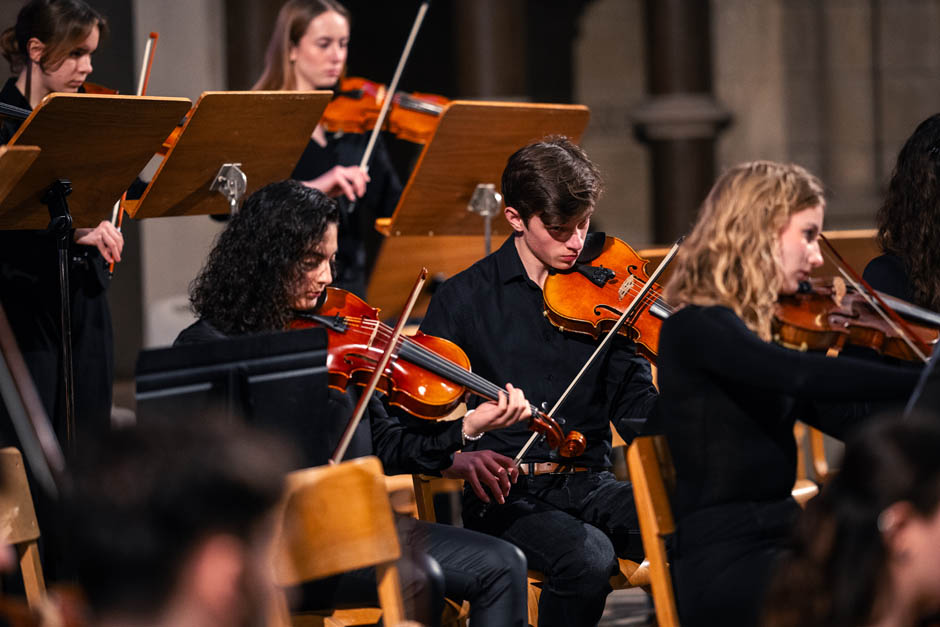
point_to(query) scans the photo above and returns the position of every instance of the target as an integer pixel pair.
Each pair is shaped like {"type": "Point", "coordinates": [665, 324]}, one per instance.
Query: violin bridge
{"type": "Point", "coordinates": [626, 286]}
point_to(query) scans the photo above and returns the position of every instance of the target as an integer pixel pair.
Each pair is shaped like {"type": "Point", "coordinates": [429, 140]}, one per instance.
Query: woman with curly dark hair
{"type": "Point", "coordinates": [909, 223]}
{"type": "Point", "coordinates": [275, 256]}
{"type": "Point", "coordinates": [866, 549]}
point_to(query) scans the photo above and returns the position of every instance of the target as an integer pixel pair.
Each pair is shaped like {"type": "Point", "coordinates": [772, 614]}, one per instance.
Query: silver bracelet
{"type": "Point", "coordinates": [463, 434]}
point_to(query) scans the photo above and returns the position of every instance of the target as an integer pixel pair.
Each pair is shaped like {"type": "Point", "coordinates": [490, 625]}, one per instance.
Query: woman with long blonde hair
{"type": "Point", "coordinates": [307, 51]}
{"type": "Point", "coordinates": [729, 396]}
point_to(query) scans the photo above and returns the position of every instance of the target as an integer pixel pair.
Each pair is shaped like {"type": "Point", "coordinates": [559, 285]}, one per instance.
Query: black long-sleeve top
{"type": "Point", "coordinates": [427, 447]}
{"type": "Point", "coordinates": [494, 312]}
{"type": "Point", "coordinates": [886, 273]}
{"type": "Point", "coordinates": [358, 240]}
{"type": "Point", "coordinates": [29, 257]}
{"type": "Point", "coordinates": [728, 401]}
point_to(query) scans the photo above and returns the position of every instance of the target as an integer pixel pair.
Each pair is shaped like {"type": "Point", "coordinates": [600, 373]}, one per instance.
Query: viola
{"type": "Point", "coordinates": [827, 314]}
{"type": "Point", "coordinates": [357, 102]}
{"type": "Point", "coordinates": [590, 297]}
{"type": "Point", "coordinates": [427, 376]}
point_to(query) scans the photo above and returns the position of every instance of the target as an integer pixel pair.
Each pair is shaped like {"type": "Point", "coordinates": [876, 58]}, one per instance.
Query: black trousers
{"type": "Point", "coordinates": [439, 560]}
{"type": "Point", "coordinates": [724, 558]}
{"type": "Point", "coordinates": [572, 528]}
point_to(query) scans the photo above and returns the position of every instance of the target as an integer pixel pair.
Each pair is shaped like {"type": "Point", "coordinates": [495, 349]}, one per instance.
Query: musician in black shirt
{"type": "Point", "coordinates": [909, 223]}
{"type": "Point", "coordinates": [29, 279]}
{"type": "Point", "coordinates": [729, 397]}
{"type": "Point", "coordinates": [571, 520]}
{"type": "Point", "coordinates": [276, 256]}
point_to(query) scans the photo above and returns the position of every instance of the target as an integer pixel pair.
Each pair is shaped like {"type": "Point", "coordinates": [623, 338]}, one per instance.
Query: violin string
{"type": "Point", "coordinates": [432, 360]}
{"type": "Point", "coordinates": [653, 297]}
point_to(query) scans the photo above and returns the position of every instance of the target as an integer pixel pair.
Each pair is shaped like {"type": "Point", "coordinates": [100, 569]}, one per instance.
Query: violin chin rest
{"type": "Point", "coordinates": [593, 246]}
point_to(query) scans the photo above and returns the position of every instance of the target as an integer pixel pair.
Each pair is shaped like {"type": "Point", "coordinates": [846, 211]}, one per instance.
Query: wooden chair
{"type": "Point", "coordinates": [631, 575]}
{"type": "Point", "coordinates": [817, 447]}
{"type": "Point", "coordinates": [803, 488]}
{"type": "Point", "coordinates": [335, 519]}
{"type": "Point", "coordinates": [18, 524]}
{"type": "Point", "coordinates": [651, 470]}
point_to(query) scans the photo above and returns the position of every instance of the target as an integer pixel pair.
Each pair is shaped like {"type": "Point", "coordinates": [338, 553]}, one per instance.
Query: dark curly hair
{"type": "Point", "coordinates": [836, 575]}
{"type": "Point", "coordinates": [247, 283]}
{"type": "Point", "coordinates": [909, 219]}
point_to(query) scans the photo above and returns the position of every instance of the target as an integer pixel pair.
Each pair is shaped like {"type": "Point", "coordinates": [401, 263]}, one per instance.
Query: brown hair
{"type": "Point", "coordinates": [553, 179]}
{"type": "Point", "coordinates": [292, 22]}
{"type": "Point", "coordinates": [59, 24]}
{"type": "Point", "coordinates": [732, 255]}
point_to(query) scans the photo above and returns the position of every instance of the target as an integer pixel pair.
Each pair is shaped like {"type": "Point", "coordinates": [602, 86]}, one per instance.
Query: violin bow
{"type": "Point", "coordinates": [30, 421]}
{"type": "Point", "coordinates": [871, 295]}
{"type": "Point", "coordinates": [117, 214]}
{"type": "Point", "coordinates": [393, 86]}
{"type": "Point", "coordinates": [641, 295]}
{"type": "Point", "coordinates": [366, 396]}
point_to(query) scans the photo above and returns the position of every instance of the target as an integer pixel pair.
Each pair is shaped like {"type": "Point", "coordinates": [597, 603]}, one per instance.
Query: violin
{"type": "Point", "coordinates": [95, 88]}
{"type": "Point", "coordinates": [828, 314]}
{"type": "Point", "coordinates": [590, 297]}
{"type": "Point", "coordinates": [357, 102]}
{"type": "Point", "coordinates": [427, 376]}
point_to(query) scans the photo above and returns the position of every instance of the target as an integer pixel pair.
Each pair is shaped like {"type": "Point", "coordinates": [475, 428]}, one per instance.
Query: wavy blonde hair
{"type": "Point", "coordinates": [292, 22]}
{"type": "Point", "coordinates": [732, 256]}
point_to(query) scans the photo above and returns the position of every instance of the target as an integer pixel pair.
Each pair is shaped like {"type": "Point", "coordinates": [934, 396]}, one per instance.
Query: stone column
{"type": "Point", "coordinates": [680, 120]}
{"type": "Point", "coordinates": [491, 48]}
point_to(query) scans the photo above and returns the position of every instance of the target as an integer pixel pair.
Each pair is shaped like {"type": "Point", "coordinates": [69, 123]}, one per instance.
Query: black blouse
{"type": "Point", "coordinates": [728, 401]}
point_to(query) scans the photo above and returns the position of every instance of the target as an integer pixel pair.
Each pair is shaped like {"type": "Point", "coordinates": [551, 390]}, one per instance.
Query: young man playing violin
{"type": "Point", "coordinates": [572, 518]}
{"type": "Point", "coordinates": [276, 256]}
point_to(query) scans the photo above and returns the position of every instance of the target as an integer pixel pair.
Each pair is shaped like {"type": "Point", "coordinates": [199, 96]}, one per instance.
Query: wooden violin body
{"type": "Point", "coordinates": [591, 297]}
{"type": "Point", "coordinates": [427, 376]}
{"type": "Point", "coordinates": [830, 315]}
{"type": "Point", "coordinates": [355, 109]}
{"type": "Point", "coordinates": [356, 346]}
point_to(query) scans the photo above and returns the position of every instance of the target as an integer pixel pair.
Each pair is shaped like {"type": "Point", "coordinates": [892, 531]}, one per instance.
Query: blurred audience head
{"type": "Point", "coordinates": [867, 549]}
{"type": "Point", "coordinates": [171, 523]}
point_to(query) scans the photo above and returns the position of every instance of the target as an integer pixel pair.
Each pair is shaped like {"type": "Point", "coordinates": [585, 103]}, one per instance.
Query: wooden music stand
{"type": "Point", "coordinates": [90, 149]}
{"type": "Point", "coordinates": [470, 146]}
{"type": "Point", "coordinates": [99, 143]}
{"type": "Point", "coordinates": [14, 161]}
{"type": "Point", "coordinates": [263, 132]}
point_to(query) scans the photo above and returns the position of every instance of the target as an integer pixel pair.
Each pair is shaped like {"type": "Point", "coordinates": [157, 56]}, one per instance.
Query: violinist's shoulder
{"type": "Point", "coordinates": [478, 277]}
{"type": "Point", "coordinates": [695, 316]}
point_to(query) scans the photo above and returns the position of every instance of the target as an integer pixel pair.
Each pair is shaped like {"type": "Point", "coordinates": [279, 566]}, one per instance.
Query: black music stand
{"type": "Point", "coordinates": [273, 380]}
{"type": "Point", "coordinates": [91, 147]}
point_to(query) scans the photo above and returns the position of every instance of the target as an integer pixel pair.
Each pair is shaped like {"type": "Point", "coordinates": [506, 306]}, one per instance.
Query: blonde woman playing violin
{"type": "Point", "coordinates": [729, 397]}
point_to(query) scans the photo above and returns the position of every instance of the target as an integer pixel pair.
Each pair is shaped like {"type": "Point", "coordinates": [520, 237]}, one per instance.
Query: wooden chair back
{"type": "Point", "coordinates": [18, 525]}
{"type": "Point", "coordinates": [335, 519]}
{"type": "Point", "coordinates": [651, 471]}
{"type": "Point", "coordinates": [804, 488]}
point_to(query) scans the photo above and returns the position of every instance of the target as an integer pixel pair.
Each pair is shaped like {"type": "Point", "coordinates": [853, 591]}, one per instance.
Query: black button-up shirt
{"type": "Point", "coordinates": [494, 312]}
